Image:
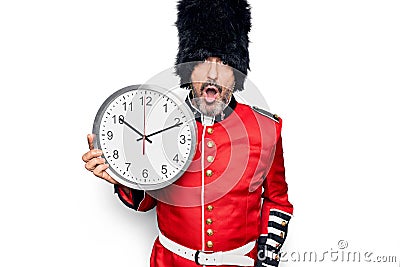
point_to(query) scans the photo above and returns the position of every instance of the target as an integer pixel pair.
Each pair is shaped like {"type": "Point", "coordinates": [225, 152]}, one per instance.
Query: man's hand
{"type": "Point", "coordinates": [96, 164]}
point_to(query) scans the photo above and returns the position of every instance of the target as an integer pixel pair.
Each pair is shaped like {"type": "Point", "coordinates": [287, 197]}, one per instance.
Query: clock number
{"type": "Point", "coordinates": [148, 99]}
{"type": "Point", "coordinates": [110, 135]}
{"type": "Point", "coordinates": [115, 154]}
{"type": "Point", "coordinates": [128, 165]}
{"type": "Point", "coordinates": [177, 120]}
{"type": "Point", "coordinates": [183, 139]}
{"type": "Point", "coordinates": [120, 119]}
{"type": "Point", "coordinates": [164, 169]}
{"type": "Point", "coordinates": [145, 173]}
{"type": "Point", "coordinates": [130, 106]}
{"type": "Point", "coordinates": [165, 107]}
{"type": "Point", "coordinates": [176, 159]}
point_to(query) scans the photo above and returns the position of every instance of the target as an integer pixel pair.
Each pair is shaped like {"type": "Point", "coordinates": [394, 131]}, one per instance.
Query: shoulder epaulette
{"type": "Point", "coordinates": [266, 113]}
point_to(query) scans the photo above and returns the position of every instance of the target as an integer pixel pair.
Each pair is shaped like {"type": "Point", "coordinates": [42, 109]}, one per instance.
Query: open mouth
{"type": "Point", "coordinates": [211, 93]}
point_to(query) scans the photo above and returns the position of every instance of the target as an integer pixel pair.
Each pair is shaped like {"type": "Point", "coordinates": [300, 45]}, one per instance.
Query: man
{"type": "Point", "coordinates": [238, 193]}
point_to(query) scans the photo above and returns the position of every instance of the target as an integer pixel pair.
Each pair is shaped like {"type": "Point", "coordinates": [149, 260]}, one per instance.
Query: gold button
{"type": "Point", "coordinates": [210, 158]}
{"type": "Point", "coordinates": [283, 223]}
{"type": "Point", "coordinates": [209, 173]}
{"type": "Point", "coordinates": [277, 257]}
{"type": "Point", "coordinates": [209, 221]}
{"type": "Point", "coordinates": [210, 144]}
{"type": "Point", "coordinates": [210, 232]}
{"type": "Point", "coordinates": [282, 235]}
{"type": "Point", "coordinates": [210, 207]}
{"type": "Point", "coordinates": [210, 130]}
{"type": "Point", "coordinates": [210, 244]}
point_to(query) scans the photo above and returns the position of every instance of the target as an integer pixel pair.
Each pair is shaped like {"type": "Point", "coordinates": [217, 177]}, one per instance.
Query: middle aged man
{"type": "Point", "coordinates": [236, 183]}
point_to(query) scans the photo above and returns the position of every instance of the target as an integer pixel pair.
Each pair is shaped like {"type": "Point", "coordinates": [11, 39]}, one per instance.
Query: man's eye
{"type": "Point", "coordinates": [224, 63]}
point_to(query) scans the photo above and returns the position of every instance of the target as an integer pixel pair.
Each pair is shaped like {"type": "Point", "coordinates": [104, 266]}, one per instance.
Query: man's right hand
{"type": "Point", "coordinates": [95, 163]}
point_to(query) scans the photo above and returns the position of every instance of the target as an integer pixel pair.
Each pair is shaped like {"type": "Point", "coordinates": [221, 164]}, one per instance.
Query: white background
{"type": "Point", "coordinates": [330, 69]}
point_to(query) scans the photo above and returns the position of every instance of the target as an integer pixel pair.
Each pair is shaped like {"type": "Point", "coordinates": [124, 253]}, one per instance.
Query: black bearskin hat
{"type": "Point", "coordinates": [217, 28]}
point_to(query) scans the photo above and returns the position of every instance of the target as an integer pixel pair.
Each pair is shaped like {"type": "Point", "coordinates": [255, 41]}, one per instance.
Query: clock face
{"type": "Point", "coordinates": [148, 136]}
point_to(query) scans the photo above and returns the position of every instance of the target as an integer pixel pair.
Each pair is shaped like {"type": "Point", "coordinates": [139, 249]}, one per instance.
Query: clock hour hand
{"type": "Point", "coordinates": [136, 131]}
{"type": "Point", "coordinates": [160, 131]}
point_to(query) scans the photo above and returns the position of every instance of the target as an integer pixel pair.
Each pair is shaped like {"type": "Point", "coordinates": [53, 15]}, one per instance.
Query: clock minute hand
{"type": "Point", "coordinates": [163, 130]}
{"type": "Point", "coordinates": [136, 131]}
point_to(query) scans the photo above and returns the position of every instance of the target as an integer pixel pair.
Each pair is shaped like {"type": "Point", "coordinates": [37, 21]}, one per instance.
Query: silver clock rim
{"type": "Point", "coordinates": [155, 88]}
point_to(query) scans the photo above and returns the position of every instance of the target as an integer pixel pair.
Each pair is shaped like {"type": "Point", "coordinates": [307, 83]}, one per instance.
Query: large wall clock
{"type": "Point", "coordinates": [147, 134]}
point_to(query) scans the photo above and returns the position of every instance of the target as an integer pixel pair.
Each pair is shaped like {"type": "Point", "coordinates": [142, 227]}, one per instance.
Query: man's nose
{"type": "Point", "coordinates": [212, 71]}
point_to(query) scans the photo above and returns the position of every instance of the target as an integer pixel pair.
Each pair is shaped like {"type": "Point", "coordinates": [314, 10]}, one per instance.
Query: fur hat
{"type": "Point", "coordinates": [217, 28]}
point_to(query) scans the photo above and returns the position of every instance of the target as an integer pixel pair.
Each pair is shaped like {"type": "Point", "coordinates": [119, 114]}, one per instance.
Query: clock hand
{"type": "Point", "coordinates": [136, 131]}
{"type": "Point", "coordinates": [144, 123]}
{"type": "Point", "coordinates": [160, 131]}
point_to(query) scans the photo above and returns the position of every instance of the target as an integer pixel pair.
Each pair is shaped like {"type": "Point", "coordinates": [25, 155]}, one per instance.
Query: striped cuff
{"type": "Point", "coordinates": [269, 245]}
{"type": "Point", "coordinates": [277, 229]}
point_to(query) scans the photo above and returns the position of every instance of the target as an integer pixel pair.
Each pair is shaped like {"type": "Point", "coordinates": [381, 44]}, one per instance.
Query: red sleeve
{"type": "Point", "coordinates": [138, 200]}
{"type": "Point", "coordinates": [276, 208]}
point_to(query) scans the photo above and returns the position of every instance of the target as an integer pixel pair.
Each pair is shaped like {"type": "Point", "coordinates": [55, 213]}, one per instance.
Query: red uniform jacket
{"type": "Point", "coordinates": [245, 190]}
